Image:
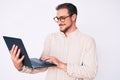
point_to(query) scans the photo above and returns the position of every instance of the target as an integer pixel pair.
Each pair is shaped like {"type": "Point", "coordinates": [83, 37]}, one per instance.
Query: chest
{"type": "Point", "coordinates": [67, 48]}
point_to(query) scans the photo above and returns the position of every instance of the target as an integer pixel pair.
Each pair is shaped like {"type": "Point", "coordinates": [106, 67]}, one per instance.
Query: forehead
{"type": "Point", "coordinates": [62, 12]}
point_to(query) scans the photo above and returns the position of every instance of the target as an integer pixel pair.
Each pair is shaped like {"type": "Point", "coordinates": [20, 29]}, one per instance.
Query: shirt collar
{"type": "Point", "coordinates": [70, 34]}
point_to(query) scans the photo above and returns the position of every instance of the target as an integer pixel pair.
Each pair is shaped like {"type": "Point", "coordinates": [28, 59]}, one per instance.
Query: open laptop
{"type": "Point", "coordinates": [32, 63]}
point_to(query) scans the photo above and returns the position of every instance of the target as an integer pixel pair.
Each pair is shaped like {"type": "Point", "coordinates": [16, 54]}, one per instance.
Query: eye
{"type": "Point", "coordinates": [62, 18]}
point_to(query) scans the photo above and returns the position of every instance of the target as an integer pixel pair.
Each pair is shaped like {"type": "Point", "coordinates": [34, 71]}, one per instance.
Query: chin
{"type": "Point", "coordinates": [62, 31]}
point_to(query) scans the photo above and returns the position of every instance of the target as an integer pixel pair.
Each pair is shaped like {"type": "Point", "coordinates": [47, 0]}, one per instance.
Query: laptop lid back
{"type": "Point", "coordinates": [17, 41]}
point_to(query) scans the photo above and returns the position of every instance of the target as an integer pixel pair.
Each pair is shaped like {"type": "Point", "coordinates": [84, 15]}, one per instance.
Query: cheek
{"type": "Point", "coordinates": [68, 23]}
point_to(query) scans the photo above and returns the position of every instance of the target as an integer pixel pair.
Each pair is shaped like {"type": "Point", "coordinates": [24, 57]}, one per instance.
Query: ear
{"type": "Point", "coordinates": [74, 16]}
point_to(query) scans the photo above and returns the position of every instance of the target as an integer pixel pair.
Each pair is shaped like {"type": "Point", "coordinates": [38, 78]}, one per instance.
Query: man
{"type": "Point", "coordinates": [72, 51]}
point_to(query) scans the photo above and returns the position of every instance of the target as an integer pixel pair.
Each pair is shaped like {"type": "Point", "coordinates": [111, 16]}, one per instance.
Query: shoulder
{"type": "Point", "coordinates": [53, 35]}
{"type": "Point", "coordinates": [86, 37]}
{"type": "Point", "coordinates": [87, 40]}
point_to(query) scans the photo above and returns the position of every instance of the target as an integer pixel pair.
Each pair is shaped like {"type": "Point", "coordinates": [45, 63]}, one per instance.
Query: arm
{"type": "Point", "coordinates": [87, 69]}
{"type": "Point", "coordinates": [15, 52]}
{"type": "Point", "coordinates": [32, 71]}
{"type": "Point", "coordinates": [59, 64]}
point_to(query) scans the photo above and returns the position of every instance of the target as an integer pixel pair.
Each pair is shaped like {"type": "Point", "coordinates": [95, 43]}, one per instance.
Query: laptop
{"type": "Point", "coordinates": [32, 63]}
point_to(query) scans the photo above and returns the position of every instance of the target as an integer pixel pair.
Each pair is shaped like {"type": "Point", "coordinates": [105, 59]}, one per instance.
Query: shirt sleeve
{"type": "Point", "coordinates": [87, 69]}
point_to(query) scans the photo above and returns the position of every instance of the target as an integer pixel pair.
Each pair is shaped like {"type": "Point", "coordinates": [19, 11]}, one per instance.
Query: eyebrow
{"type": "Point", "coordinates": [62, 16]}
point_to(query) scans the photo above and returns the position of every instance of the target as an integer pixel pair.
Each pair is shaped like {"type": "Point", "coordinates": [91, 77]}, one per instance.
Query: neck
{"type": "Point", "coordinates": [73, 28]}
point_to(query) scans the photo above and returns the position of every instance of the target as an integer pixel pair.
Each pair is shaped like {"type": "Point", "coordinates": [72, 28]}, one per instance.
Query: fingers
{"type": "Point", "coordinates": [15, 52]}
{"type": "Point", "coordinates": [46, 59]}
{"type": "Point", "coordinates": [18, 53]}
{"type": "Point", "coordinates": [13, 47]}
{"type": "Point", "coordinates": [12, 51]}
{"type": "Point", "coordinates": [51, 59]}
{"type": "Point", "coordinates": [21, 59]}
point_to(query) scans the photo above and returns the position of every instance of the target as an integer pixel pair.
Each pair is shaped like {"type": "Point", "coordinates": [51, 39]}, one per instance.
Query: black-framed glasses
{"type": "Point", "coordinates": [62, 18]}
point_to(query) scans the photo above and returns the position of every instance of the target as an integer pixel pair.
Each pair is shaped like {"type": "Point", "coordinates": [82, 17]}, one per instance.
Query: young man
{"type": "Point", "coordinates": [72, 51]}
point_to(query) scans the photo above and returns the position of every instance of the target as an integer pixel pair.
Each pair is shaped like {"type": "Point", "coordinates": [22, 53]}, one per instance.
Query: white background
{"type": "Point", "coordinates": [32, 20]}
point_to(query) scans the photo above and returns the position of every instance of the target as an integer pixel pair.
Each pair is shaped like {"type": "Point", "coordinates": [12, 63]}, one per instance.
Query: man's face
{"type": "Point", "coordinates": [64, 20]}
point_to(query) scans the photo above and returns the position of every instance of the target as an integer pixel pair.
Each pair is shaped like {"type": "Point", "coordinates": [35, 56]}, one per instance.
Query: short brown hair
{"type": "Point", "coordinates": [71, 8]}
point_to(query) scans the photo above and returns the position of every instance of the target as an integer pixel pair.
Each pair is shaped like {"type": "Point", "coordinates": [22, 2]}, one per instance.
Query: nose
{"type": "Point", "coordinates": [59, 22]}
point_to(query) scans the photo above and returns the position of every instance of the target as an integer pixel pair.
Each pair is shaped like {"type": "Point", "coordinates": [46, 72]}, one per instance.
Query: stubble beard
{"type": "Point", "coordinates": [64, 30]}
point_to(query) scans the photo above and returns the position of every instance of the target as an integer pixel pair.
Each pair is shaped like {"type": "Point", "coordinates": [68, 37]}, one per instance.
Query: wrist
{"type": "Point", "coordinates": [21, 68]}
{"type": "Point", "coordinates": [63, 66]}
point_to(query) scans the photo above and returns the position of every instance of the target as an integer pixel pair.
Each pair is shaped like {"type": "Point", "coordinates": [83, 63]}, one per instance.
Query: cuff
{"type": "Point", "coordinates": [26, 70]}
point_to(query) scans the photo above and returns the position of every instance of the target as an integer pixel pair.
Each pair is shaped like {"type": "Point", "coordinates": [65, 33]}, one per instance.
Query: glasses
{"type": "Point", "coordinates": [62, 18]}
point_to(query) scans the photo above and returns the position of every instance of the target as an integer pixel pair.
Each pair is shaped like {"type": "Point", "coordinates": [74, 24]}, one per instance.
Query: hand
{"type": "Point", "coordinates": [54, 60]}
{"type": "Point", "coordinates": [15, 52]}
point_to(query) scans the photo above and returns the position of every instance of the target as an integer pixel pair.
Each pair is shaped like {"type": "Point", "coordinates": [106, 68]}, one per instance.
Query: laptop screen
{"type": "Point", "coordinates": [17, 41]}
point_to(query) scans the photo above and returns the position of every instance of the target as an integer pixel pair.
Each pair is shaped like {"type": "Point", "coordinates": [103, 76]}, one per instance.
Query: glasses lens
{"type": "Point", "coordinates": [56, 19]}
{"type": "Point", "coordinates": [62, 18]}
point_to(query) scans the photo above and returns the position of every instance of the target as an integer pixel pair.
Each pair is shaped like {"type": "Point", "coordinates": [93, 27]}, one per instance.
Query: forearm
{"type": "Point", "coordinates": [32, 71]}
{"type": "Point", "coordinates": [63, 66]}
